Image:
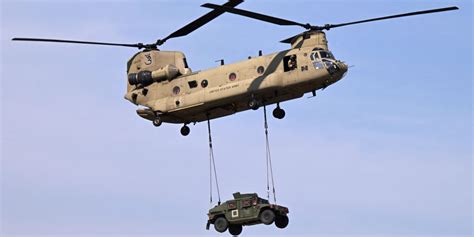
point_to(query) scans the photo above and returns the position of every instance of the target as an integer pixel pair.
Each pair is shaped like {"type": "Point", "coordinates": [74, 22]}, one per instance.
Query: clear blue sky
{"type": "Point", "coordinates": [387, 151]}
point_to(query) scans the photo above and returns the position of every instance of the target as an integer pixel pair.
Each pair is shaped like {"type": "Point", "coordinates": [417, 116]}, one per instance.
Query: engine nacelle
{"type": "Point", "coordinates": [146, 78]}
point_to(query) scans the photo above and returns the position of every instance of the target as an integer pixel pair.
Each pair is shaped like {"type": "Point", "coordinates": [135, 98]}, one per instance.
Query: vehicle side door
{"type": "Point", "coordinates": [247, 207]}
{"type": "Point", "coordinates": [233, 212]}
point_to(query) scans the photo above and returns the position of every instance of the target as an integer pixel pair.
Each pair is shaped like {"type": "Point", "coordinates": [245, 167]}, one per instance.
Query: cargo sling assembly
{"type": "Point", "coordinates": [269, 167]}
{"type": "Point", "coordinates": [212, 167]}
{"type": "Point", "coordinates": [268, 156]}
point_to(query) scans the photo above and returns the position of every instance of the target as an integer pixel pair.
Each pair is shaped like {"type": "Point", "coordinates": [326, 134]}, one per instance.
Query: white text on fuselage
{"type": "Point", "coordinates": [223, 88]}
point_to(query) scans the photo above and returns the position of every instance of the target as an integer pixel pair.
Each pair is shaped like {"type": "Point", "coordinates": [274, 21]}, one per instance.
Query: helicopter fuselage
{"type": "Point", "coordinates": [167, 91]}
{"type": "Point", "coordinates": [225, 90]}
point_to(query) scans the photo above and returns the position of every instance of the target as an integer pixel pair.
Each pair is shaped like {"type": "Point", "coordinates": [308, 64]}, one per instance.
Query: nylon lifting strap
{"type": "Point", "coordinates": [268, 159]}
{"type": "Point", "coordinates": [212, 166]}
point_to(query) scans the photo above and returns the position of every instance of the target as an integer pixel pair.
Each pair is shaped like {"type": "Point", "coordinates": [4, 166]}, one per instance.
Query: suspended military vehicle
{"type": "Point", "coordinates": [167, 90]}
{"type": "Point", "coordinates": [246, 209]}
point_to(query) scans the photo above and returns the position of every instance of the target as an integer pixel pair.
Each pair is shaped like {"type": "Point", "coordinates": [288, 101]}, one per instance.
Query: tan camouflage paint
{"type": "Point", "coordinates": [222, 96]}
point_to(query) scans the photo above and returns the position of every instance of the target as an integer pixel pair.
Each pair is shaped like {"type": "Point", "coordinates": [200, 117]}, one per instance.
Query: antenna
{"type": "Point", "coordinates": [220, 60]}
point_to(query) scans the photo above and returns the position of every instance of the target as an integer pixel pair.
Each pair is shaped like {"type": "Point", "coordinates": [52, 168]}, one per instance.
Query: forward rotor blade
{"type": "Point", "coordinates": [330, 26]}
{"type": "Point", "coordinates": [139, 45]}
{"type": "Point", "coordinates": [254, 15]}
{"type": "Point", "coordinates": [327, 27]}
{"type": "Point", "coordinates": [200, 21]}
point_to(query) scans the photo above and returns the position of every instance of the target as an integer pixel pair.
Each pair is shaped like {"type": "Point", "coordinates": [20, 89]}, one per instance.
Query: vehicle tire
{"type": "Point", "coordinates": [278, 113]}
{"type": "Point", "coordinates": [254, 104]}
{"type": "Point", "coordinates": [185, 130]}
{"type": "Point", "coordinates": [281, 221]}
{"type": "Point", "coordinates": [267, 216]}
{"type": "Point", "coordinates": [157, 121]}
{"type": "Point", "coordinates": [235, 229]}
{"type": "Point", "coordinates": [221, 224]}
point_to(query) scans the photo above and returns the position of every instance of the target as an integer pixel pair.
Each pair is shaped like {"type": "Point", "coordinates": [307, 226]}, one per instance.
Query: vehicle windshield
{"type": "Point", "coordinates": [262, 201]}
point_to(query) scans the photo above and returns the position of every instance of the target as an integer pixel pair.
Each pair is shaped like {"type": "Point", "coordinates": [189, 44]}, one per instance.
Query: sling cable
{"type": "Point", "coordinates": [268, 159]}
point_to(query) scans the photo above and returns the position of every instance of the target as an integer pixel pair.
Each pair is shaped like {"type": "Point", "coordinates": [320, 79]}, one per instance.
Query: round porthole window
{"type": "Point", "coordinates": [232, 76]}
{"type": "Point", "coordinates": [260, 70]}
{"type": "Point", "coordinates": [176, 90]}
{"type": "Point", "coordinates": [204, 83]}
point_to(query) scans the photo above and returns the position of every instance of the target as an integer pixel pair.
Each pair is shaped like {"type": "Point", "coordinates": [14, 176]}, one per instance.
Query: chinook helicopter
{"type": "Point", "coordinates": [168, 91]}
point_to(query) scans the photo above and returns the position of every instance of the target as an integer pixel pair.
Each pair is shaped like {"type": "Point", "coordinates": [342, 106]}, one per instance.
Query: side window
{"type": "Point", "coordinates": [314, 56]}
{"type": "Point", "coordinates": [232, 76]}
{"type": "Point", "coordinates": [204, 83]}
{"type": "Point", "coordinates": [232, 205]}
{"type": "Point", "coordinates": [192, 84]}
{"type": "Point", "coordinates": [289, 63]}
{"type": "Point", "coordinates": [246, 203]}
{"type": "Point", "coordinates": [176, 90]}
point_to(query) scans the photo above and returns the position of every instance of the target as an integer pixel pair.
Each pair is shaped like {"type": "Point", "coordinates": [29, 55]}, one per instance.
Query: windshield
{"type": "Point", "coordinates": [325, 54]}
{"type": "Point", "coordinates": [262, 201]}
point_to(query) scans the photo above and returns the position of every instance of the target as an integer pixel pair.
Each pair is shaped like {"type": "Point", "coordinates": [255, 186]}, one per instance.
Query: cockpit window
{"type": "Point", "coordinates": [325, 54]}
{"type": "Point", "coordinates": [319, 53]}
{"type": "Point", "coordinates": [185, 63]}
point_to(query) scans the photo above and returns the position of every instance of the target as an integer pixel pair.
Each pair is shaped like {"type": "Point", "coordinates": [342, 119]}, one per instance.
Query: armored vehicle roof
{"type": "Point", "coordinates": [245, 195]}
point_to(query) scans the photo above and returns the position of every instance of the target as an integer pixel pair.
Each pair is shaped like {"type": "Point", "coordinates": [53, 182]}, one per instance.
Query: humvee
{"type": "Point", "coordinates": [246, 209]}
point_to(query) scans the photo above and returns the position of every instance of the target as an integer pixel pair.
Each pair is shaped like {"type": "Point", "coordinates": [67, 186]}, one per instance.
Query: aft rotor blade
{"type": "Point", "coordinates": [200, 21]}
{"type": "Point", "coordinates": [254, 15]}
{"type": "Point", "coordinates": [138, 45]}
{"type": "Point", "coordinates": [289, 40]}
{"type": "Point", "coordinates": [327, 27]}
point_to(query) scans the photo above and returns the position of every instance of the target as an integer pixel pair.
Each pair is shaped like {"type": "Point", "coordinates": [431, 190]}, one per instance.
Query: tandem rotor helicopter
{"type": "Point", "coordinates": [169, 92]}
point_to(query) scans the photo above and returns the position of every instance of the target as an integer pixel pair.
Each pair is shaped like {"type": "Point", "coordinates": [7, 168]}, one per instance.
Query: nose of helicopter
{"type": "Point", "coordinates": [341, 72]}
{"type": "Point", "coordinates": [343, 67]}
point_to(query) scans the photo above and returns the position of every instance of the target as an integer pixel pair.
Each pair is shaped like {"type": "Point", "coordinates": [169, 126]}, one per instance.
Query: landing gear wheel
{"type": "Point", "coordinates": [278, 113]}
{"type": "Point", "coordinates": [254, 104]}
{"type": "Point", "coordinates": [281, 221]}
{"type": "Point", "coordinates": [235, 229]}
{"type": "Point", "coordinates": [157, 121]}
{"type": "Point", "coordinates": [267, 217]}
{"type": "Point", "coordinates": [185, 130]}
{"type": "Point", "coordinates": [221, 224]}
